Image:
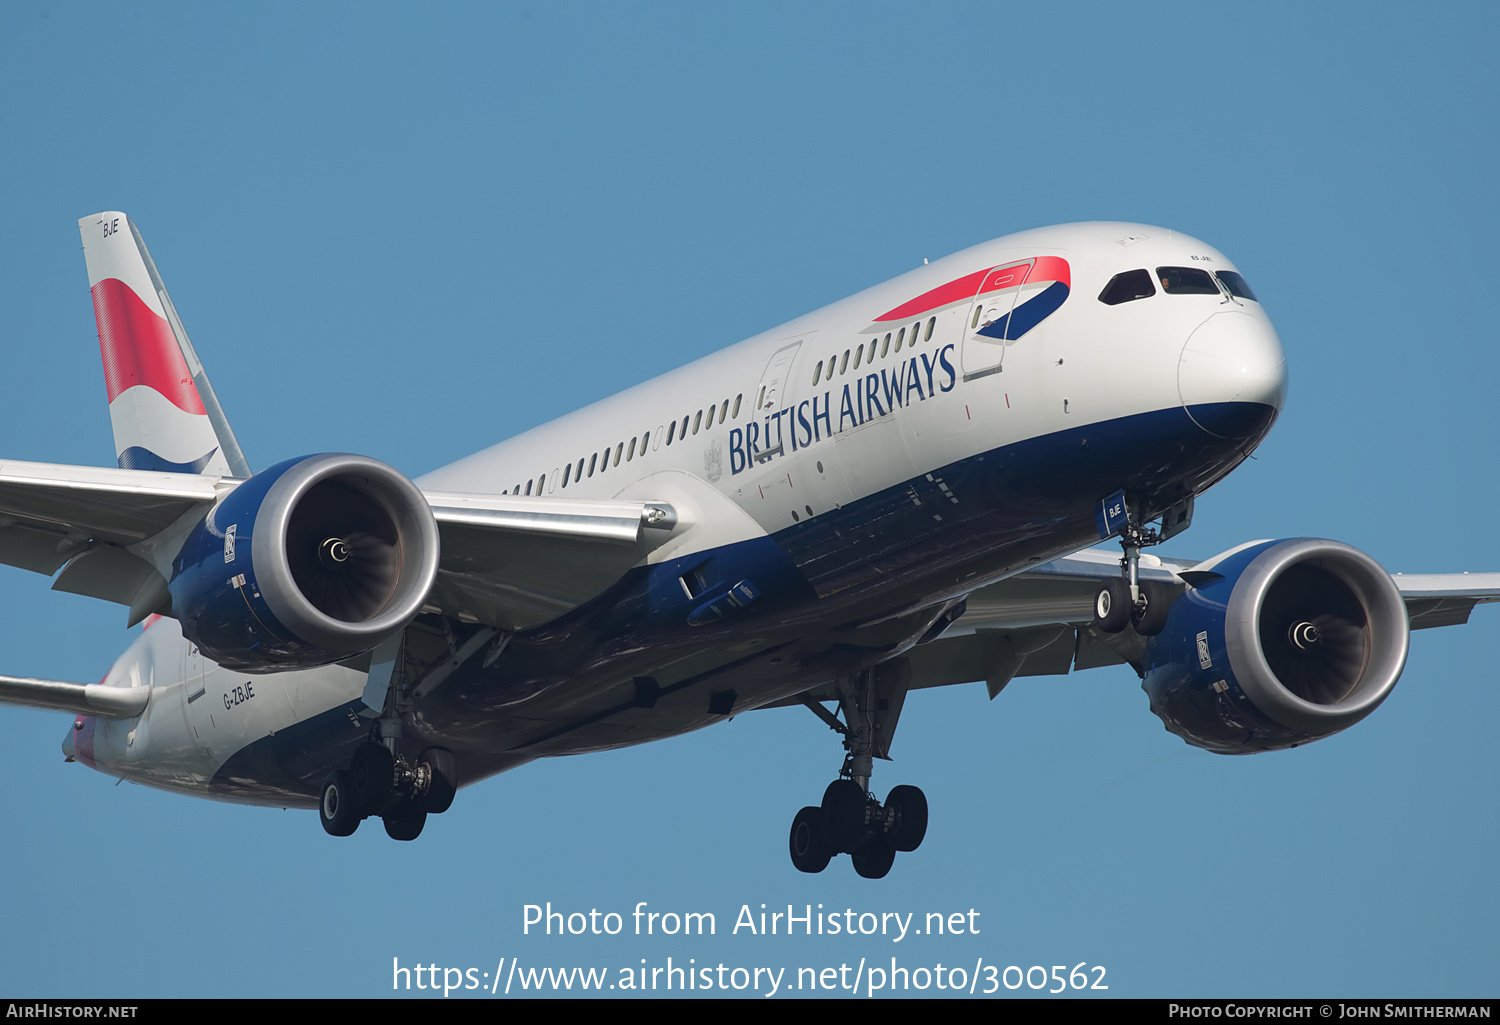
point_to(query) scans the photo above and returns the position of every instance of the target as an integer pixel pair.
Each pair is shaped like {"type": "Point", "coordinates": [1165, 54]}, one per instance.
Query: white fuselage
{"type": "Point", "coordinates": [800, 424]}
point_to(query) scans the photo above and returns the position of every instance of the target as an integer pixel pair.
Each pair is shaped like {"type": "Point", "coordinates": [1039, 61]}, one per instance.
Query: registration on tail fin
{"type": "Point", "coordinates": [163, 410]}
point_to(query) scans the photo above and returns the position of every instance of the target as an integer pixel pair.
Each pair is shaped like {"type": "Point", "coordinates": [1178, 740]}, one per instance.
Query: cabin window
{"type": "Point", "coordinates": [671, 430]}
{"type": "Point", "coordinates": [885, 349]}
{"type": "Point", "coordinates": [567, 472]}
{"type": "Point", "coordinates": [528, 487]}
{"type": "Point", "coordinates": [1236, 285]}
{"type": "Point", "coordinates": [1186, 281]}
{"type": "Point", "coordinates": [818, 372]}
{"type": "Point", "coordinates": [631, 454]}
{"type": "Point", "coordinates": [859, 354]}
{"type": "Point", "coordinates": [697, 420]}
{"type": "Point", "coordinates": [931, 323]}
{"type": "Point", "coordinates": [900, 337]}
{"type": "Point", "coordinates": [618, 449]}
{"type": "Point", "coordinates": [979, 308]}
{"type": "Point", "coordinates": [724, 410]}
{"type": "Point", "coordinates": [844, 363]}
{"type": "Point", "coordinates": [736, 406]}
{"type": "Point", "coordinates": [870, 357]}
{"type": "Point", "coordinates": [646, 440]}
{"type": "Point", "coordinates": [541, 483]}
{"type": "Point", "coordinates": [593, 461]}
{"type": "Point", "coordinates": [1126, 287]}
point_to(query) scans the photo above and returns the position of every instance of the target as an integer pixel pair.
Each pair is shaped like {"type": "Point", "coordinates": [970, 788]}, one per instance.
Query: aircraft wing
{"type": "Point", "coordinates": [1040, 623]}
{"type": "Point", "coordinates": [50, 512]}
{"type": "Point", "coordinates": [507, 561]}
{"type": "Point", "coordinates": [514, 562]}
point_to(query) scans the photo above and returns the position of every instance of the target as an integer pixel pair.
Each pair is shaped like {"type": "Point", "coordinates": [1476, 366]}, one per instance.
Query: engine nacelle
{"type": "Point", "coordinates": [309, 562]}
{"type": "Point", "coordinates": [1278, 644]}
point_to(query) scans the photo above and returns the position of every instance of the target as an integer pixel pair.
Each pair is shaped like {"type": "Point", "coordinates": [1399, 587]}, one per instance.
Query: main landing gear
{"type": "Point", "coordinates": [380, 783]}
{"type": "Point", "coordinates": [379, 780]}
{"type": "Point", "coordinates": [850, 819]}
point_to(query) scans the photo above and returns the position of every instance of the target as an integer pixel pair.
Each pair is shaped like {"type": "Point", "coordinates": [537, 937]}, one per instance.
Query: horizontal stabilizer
{"type": "Point", "coordinates": [78, 698]}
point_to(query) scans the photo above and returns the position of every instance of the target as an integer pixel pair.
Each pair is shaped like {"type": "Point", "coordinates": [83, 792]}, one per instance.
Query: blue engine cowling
{"type": "Point", "coordinates": [1277, 644]}
{"type": "Point", "coordinates": [309, 562]}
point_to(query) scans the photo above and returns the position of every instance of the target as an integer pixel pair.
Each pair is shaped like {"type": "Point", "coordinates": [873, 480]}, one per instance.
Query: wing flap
{"type": "Point", "coordinates": [106, 504]}
{"type": "Point", "coordinates": [1445, 599]}
{"type": "Point", "coordinates": [513, 562]}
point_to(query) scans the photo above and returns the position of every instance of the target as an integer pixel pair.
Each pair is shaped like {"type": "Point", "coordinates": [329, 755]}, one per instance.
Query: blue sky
{"type": "Point", "coordinates": [413, 233]}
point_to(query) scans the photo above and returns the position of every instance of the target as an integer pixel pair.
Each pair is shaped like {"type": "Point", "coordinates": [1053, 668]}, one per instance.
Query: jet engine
{"type": "Point", "coordinates": [1277, 644]}
{"type": "Point", "coordinates": [309, 562]}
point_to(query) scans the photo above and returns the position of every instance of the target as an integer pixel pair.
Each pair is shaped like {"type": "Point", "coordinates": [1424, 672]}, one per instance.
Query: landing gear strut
{"type": "Point", "coordinates": [850, 820]}
{"type": "Point", "coordinates": [1127, 599]}
{"type": "Point", "coordinates": [381, 782]}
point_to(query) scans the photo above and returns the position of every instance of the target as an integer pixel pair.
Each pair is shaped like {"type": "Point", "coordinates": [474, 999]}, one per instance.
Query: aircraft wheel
{"type": "Point", "coordinates": [874, 858]}
{"type": "Point", "coordinates": [372, 773]}
{"type": "Point", "coordinates": [1150, 620]}
{"type": "Point", "coordinates": [336, 807]}
{"type": "Point", "coordinates": [844, 814]}
{"type": "Point", "coordinates": [910, 806]}
{"type": "Point", "coordinates": [406, 822]}
{"type": "Point", "coordinates": [1112, 606]}
{"type": "Point", "coordinates": [809, 847]}
{"type": "Point", "coordinates": [444, 783]}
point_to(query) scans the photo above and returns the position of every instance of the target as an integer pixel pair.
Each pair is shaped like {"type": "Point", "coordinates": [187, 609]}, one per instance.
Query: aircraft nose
{"type": "Point", "coordinates": [1231, 376]}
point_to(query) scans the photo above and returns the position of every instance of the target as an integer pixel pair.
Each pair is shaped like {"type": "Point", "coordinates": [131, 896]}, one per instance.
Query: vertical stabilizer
{"type": "Point", "coordinates": [164, 412]}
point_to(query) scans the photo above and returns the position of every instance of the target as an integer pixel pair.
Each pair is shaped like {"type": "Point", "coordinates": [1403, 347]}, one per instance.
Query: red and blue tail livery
{"type": "Point", "coordinates": [158, 414]}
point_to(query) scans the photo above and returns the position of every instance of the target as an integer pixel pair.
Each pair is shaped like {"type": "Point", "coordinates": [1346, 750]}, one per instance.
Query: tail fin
{"type": "Point", "coordinates": [164, 412]}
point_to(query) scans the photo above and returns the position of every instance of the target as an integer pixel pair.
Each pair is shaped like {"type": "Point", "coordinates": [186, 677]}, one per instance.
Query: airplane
{"type": "Point", "coordinates": [902, 490]}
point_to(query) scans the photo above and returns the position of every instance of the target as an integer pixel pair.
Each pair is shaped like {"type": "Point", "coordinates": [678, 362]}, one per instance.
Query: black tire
{"type": "Point", "coordinates": [406, 822]}
{"type": "Point", "coordinates": [875, 858]}
{"type": "Point", "coordinates": [1150, 620]}
{"type": "Point", "coordinates": [336, 807]}
{"type": "Point", "coordinates": [808, 845]}
{"type": "Point", "coordinates": [1112, 606]}
{"type": "Point", "coordinates": [910, 807]}
{"type": "Point", "coordinates": [372, 774]}
{"type": "Point", "coordinates": [444, 785]}
{"type": "Point", "coordinates": [844, 805]}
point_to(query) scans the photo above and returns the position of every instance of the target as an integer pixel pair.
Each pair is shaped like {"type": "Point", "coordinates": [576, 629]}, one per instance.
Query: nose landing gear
{"type": "Point", "coordinates": [1127, 599]}
{"type": "Point", "coordinates": [850, 820]}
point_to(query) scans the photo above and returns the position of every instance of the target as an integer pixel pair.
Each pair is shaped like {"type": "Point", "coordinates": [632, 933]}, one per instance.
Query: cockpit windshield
{"type": "Point", "coordinates": [1126, 287]}
{"type": "Point", "coordinates": [1186, 281]}
{"type": "Point", "coordinates": [1235, 284]}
